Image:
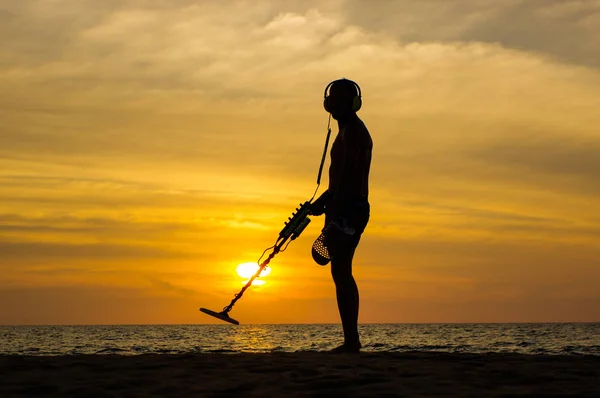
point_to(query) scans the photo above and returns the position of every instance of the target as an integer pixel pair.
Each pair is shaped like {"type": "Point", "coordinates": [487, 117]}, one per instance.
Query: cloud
{"type": "Point", "coordinates": [559, 163]}
{"type": "Point", "coordinates": [166, 93]}
{"type": "Point", "coordinates": [173, 289]}
{"type": "Point", "coordinates": [564, 30]}
{"type": "Point", "coordinates": [51, 251]}
{"type": "Point", "coordinates": [506, 158]}
{"type": "Point", "coordinates": [190, 48]}
{"type": "Point", "coordinates": [179, 93]}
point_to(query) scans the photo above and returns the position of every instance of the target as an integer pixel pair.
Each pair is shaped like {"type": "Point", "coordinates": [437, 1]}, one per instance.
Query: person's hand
{"type": "Point", "coordinates": [316, 209]}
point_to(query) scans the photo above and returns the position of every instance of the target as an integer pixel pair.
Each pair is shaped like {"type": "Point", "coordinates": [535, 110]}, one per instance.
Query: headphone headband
{"type": "Point", "coordinates": [341, 80]}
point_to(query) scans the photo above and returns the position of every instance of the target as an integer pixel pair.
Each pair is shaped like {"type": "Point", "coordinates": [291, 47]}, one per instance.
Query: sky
{"type": "Point", "coordinates": [147, 148]}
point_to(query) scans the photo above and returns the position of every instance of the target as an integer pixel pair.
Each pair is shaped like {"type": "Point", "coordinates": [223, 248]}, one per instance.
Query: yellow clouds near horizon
{"type": "Point", "coordinates": [147, 149]}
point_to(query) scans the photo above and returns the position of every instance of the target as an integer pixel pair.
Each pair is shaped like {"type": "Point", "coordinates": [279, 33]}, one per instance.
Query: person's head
{"type": "Point", "coordinates": [344, 98]}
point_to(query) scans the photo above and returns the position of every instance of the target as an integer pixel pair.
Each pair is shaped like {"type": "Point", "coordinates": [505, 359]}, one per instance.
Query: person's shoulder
{"type": "Point", "coordinates": [357, 126]}
{"type": "Point", "coordinates": [359, 131]}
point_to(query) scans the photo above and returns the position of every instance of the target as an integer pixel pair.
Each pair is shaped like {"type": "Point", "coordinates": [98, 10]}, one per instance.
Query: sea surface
{"type": "Point", "coordinates": [540, 338]}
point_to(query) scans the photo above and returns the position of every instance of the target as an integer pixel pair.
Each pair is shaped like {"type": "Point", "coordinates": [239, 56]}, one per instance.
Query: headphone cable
{"type": "Point", "coordinates": [323, 158]}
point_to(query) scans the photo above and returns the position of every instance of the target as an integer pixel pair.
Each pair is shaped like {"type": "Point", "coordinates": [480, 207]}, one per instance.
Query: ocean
{"type": "Point", "coordinates": [538, 338]}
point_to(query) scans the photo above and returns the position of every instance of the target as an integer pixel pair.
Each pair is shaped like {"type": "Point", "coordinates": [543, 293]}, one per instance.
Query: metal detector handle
{"type": "Point", "coordinates": [296, 221]}
{"type": "Point", "coordinates": [303, 224]}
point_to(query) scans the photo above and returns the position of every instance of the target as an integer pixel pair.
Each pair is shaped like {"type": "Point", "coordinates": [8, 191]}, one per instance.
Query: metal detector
{"type": "Point", "coordinates": [293, 228]}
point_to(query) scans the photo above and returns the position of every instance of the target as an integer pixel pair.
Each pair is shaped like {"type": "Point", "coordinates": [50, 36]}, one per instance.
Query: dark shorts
{"type": "Point", "coordinates": [343, 241]}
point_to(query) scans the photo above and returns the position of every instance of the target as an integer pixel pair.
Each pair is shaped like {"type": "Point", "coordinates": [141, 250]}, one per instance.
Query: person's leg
{"type": "Point", "coordinates": [342, 247]}
{"type": "Point", "coordinates": [346, 289]}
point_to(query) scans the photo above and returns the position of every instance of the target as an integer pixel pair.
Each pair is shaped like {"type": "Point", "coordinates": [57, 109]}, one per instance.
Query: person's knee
{"type": "Point", "coordinates": [341, 272]}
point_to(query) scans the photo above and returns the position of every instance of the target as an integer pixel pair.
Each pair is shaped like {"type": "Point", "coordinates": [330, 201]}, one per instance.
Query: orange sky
{"type": "Point", "coordinates": [147, 149]}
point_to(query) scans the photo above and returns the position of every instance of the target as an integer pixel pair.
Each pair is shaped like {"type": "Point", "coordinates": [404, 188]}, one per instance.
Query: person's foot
{"type": "Point", "coordinates": [347, 348]}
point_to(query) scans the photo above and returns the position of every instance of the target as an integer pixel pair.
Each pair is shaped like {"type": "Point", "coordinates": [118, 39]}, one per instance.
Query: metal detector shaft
{"type": "Point", "coordinates": [293, 228]}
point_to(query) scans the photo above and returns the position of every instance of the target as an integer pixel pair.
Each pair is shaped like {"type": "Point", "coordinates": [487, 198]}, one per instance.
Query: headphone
{"type": "Point", "coordinates": [356, 100]}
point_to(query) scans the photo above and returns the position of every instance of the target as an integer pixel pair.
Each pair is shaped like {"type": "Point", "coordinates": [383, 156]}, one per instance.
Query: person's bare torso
{"type": "Point", "coordinates": [350, 166]}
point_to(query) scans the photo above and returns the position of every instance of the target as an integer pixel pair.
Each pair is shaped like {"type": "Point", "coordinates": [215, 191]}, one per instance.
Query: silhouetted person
{"type": "Point", "coordinates": [346, 201]}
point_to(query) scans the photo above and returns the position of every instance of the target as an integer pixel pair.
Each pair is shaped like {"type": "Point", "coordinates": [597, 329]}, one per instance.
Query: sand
{"type": "Point", "coordinates": [303, 374]}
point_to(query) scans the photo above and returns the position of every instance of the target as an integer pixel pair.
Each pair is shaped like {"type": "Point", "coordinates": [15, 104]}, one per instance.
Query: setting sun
{"type": "Point", "coordinates": [246, 270]}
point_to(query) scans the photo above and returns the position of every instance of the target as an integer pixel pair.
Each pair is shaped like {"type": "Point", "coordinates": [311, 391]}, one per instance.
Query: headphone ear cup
{"type": "Point", "coordinates": [356, 103]}
{"type": "Point", "coordinates": [326, 104]}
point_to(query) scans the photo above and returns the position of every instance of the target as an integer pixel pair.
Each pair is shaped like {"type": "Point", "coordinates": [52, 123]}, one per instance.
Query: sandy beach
{"type": "Point", "coordinates": [301, 374]}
